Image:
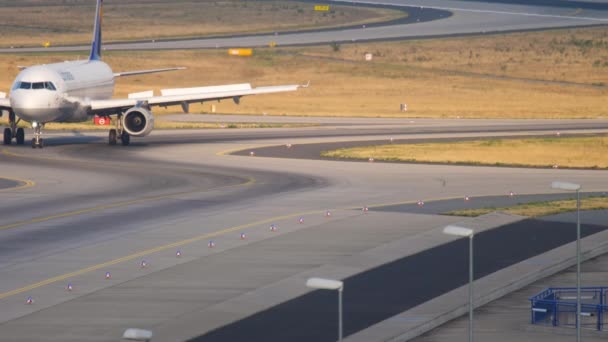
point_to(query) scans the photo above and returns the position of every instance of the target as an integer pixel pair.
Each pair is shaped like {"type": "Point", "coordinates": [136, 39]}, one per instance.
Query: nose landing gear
{"type": "Point", "coordinates": [13, 131]}
{"type": "Point", "coordinates": [37, 140]}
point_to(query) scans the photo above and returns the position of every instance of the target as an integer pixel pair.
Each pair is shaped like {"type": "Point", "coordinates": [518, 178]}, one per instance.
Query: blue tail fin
{"type": "Point", "coordinates": [96, 45]}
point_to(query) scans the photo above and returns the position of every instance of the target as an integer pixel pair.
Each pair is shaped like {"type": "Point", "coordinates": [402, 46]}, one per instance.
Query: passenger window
{"type": "Point", "coordinates": [25, 85]}
{"type": "Point", "coordinates": [49, 86]}
{"type": "Point", "coordinates": [38, 85]}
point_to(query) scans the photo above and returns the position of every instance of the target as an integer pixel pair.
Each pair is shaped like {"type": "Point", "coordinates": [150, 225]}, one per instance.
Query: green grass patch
{"type": "Point", "coordinates": [569, 152]}
{"type": "Point", "coordinates": [537, 209]}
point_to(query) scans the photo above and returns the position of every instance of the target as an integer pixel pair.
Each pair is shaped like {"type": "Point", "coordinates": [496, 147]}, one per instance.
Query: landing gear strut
{"type": "Point", "coordinates": [37, 140]}
{"type": "Point", "coordinates": [13, 131]}
{"type": "Point", "coordinates": [119, 133]}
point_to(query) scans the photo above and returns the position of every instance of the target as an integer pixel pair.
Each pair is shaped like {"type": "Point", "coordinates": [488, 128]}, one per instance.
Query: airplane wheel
{"type": "Point", "coordinates": [20, 136]}
{"type": "Point", "coordinates": [126, 139]}
{"type": "Point", "coordinates": [8, 136]}
{"type": "Point", "coordinates": [40, 143]}
{"type": "Point", "coordinates": [112, 137]}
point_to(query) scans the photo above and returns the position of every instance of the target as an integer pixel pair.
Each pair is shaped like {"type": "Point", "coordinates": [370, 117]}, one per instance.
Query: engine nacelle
{"type": "Point", "coordinates": [138, 122]}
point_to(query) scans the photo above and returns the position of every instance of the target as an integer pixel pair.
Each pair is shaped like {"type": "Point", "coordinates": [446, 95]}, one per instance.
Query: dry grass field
{"type": "Point", "coordinates": [429, 76]}
{"type": "Point", "coordinates": [33, 22]}
{"type": "Point", "coordinates": [538, 209]}
{"type": "Point", "coordinates": [581, 152]}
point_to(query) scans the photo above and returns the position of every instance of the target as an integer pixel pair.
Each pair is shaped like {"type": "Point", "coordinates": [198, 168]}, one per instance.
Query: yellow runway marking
{"type": "Point", "coordinates": [185, 242]}
{"type": "Point", "coordinates": [146, 252]}
{"type": "Point", "coordinates": [26, 184]}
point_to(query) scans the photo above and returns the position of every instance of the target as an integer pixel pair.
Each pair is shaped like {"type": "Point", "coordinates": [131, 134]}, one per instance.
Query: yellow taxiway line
{"type": "Point", "coordinates": [26, 183]}
{"type": "Point", "coordinates": [146, 252]}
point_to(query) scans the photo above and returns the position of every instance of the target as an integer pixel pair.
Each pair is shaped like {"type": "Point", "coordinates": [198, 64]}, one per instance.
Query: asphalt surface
{"type": "Point", "coordinates": [471, 17]}
{"type": "Point", "coordinates": [313, 151]}
{"type": "Point", "coordinates": [9, 183]}
{"type": "Point", "coordinates": [129, 212]}
{"type": "Point", "coordinates": [97, 208]}
{"type": "Point", "coordinates": [368, 298]}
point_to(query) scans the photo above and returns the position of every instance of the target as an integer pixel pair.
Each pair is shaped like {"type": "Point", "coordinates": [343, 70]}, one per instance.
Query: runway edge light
{"type": "Point", "coordinates": [29, 300]}
{"type": "Point", "coordinates": [273, 228]}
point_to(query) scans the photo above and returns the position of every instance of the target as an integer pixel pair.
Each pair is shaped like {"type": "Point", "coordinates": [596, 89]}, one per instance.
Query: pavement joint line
{"type": "Point", "coordinates": [26, 184]}
{"type": "Point", "coordinates": [447, 198]}
{"type": "Point", "coordinates": [149, 251]}
{"type": "Point", "coordinates": [120, 204]}
{"type": "Point", "coordinates": [232, 150]}
{"type": "Point", "coordinates": [177, 244]}
{"type": "Point", "coordinates": [457, 9]}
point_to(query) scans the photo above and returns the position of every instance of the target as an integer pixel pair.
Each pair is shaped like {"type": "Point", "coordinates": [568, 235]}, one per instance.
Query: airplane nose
{"type": "Point", "coordinates": [31, 105]}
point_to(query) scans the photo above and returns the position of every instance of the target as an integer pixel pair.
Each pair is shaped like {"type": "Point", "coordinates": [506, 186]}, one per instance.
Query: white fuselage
{"type": "Point", "coordinates": [60, 92]}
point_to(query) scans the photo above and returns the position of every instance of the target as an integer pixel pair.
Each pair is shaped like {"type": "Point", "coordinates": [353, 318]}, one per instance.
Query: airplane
{"type": "Point", "coordinates": [76, 91]}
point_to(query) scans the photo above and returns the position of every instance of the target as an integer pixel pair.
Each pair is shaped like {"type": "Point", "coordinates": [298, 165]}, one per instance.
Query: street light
{"type": "Point", "coordinates": [329, 284]}
{"type": "Point", "coordinates": [575, 187]}
{"type": "Point", "coordinates": [466, 232]}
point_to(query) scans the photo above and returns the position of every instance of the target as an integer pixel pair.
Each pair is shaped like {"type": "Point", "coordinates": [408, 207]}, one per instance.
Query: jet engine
{"type": "Point", "coordinates": [138, 122]}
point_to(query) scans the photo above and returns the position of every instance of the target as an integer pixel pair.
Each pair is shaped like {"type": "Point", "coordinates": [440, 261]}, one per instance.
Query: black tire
{"type": "Point", "coordinates": [125, 138]}
{"type": "Point", "coordinates": [41, 143]}
{"type": "Point", "coordinates": [20, 136]}
{"type": "Point", "coordinates": [34, 145]}
{"type": "Point", "coordinates": [8, 136]}
{"type": "Point", "coordinates": [112, 137]}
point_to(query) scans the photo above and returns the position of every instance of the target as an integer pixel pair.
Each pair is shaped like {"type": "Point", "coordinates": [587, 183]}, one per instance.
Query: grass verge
{"type": "Point", "coordinates": [61, 22]}
{"type": "Point", "coordinates": [554, 74]}
{"type": "Point", "coordinates": [537, 209]}
{"type": "Point", "coordinates": [90, 126]}
{"type": "Point", "coordinates": [570, 152]}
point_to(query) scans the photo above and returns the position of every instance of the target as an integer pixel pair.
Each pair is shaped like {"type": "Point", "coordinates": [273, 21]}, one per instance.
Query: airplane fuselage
{"type": "Point", "coordinates": [60, 92]}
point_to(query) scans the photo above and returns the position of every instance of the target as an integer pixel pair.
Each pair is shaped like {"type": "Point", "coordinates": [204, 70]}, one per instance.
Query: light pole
{"type": "Point", "coordinates": [575, 187]}
{"type": "Point", "coordinates": [330, 284]}
{"type": "Point", "coordinates": [466, 232]}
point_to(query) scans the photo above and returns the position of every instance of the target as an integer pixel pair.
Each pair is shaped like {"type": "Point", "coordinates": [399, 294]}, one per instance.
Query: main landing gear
{"type": "Point", "coordinates": [37, 140]}
{"type": "Point", "coordinates": [119, 133]}
{"type": "Point", "coordinates": [13, 132]}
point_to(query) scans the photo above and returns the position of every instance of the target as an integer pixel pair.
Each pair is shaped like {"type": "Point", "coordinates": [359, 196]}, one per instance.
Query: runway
{"type": "Point", "coordinates": [188, 234]}
{"type": "Point", "coordinates": [433, 18]}
{"type": "Point", "coordinates": [96, 209]}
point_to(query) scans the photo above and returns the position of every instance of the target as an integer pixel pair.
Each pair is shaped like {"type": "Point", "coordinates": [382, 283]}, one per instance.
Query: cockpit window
{"type": "Point", "coordinates": [35, 85]}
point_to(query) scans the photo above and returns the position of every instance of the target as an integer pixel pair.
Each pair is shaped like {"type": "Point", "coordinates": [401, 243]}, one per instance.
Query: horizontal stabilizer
{"type": "Point", "coordinates": [205, 90]}
{"type": "Point", "coordinates": [142, 72]}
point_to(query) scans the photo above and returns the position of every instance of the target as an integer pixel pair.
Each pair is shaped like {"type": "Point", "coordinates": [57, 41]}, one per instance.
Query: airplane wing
{"type": "Point", "coordinates": [5, 103]}
{"type": "Point", "coordinates": [185, 96]}
{"type": "Point", "coordinates": [141, 72]}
